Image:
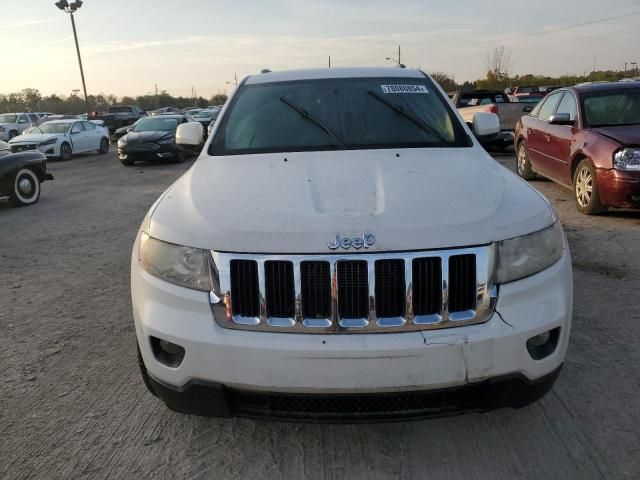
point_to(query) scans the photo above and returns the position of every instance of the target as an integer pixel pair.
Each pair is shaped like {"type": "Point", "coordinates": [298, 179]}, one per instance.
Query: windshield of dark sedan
{"type": "Point", "coordinates": [349, 113]}
{"type": "Point", "coordinates": [614, 108]}
{"type": "Point", "coordinates": [156, 124]}
{"type": "Point", "coordinates": [8, 118]}
{"type": "Point", "coordinates": [52, 128]}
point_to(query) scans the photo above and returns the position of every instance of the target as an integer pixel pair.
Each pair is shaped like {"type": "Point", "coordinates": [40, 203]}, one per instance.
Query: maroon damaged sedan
{"type": "Point", "coordinates": [586, 138]}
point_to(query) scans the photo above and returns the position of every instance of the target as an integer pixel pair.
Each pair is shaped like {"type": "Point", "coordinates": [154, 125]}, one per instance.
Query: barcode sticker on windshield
{"type": "Point", "coordinates": [404, 89]}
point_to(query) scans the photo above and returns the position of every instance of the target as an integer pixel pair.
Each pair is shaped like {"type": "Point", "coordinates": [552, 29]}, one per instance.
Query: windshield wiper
{"type": "Point", "coordinates": [313, 120]}
{"type": "Point", "coordinates": [407, 114]}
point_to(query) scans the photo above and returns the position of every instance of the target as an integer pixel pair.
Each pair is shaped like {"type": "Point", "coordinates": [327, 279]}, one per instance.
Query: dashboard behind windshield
{"type": "Point", "coordinates": [344, 113]}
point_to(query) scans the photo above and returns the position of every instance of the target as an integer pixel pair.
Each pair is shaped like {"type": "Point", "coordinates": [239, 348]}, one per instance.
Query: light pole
{"type": "Point", "coordinates": [70, 8]}
{"type": "Point", "coordinates": [235, 80]}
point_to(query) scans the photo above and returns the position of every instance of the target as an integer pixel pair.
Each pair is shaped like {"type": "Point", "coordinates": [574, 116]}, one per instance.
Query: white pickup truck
{"type": "Point", "coordinates": [492, 101]}
{"type": "Point", "coordinates": [343, 247]}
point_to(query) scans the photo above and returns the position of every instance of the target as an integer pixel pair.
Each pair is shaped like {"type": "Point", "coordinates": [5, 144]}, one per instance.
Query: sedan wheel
{"type": "Point", "coordinates": [524, 166]}
{"type": "Point", "coordinates": [65, 152]}
{"type": "Point", "coordinates": [104, 146]}
{"type": "Point", "coordinates": [586, 190]}
{"type": "Point", "coordinates": [26, 188]}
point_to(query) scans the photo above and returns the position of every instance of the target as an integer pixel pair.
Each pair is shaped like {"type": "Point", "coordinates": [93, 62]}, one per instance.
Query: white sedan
{"type": "Point", "coordinates": [63, 138]}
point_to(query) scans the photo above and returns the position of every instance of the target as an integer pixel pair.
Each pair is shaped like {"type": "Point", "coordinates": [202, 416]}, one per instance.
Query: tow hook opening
{"type": "Point", "coordinates": [166, 352]}
{"type": "Point", "coordinates": [543, 344]}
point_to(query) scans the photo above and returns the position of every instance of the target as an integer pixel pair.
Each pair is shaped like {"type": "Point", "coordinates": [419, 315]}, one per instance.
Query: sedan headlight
{"type": "Point", "coordinates": [122, 141]}
{"type": "Point", "coordinates": [627, 159]}
{"type": "Point", "coordinates": [48, 142]}
{"type": "Point", "coordinates": [185, 266]}
{"type": "Point", "coordinates": [523, 256]}
{"type": "Point", "coordinates": [165, 141]}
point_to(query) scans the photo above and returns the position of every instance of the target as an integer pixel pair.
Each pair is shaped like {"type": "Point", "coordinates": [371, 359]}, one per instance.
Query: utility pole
{"type": "Point", "coordinates": [399, 58]}
{"type": "Point", "coordinates": [156, 85]}
{"type": "Point", "coordinates": [329, 61]}
{"type": "Point", "coordinates": [70, 8]}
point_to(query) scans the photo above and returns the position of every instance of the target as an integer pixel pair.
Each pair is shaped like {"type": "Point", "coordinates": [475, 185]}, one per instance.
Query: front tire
{"type": "Point", "coordinates": [65, 152]}
{"type": "Point", "coordinates": [26, 188]}
{"type": "Point", "coordinates": [180, 156]}
{"type": "Point", "coordinates": [127, 162]}
{"type": "Point", "coordinates": [585, 189]}
{"type": "Point", "coordinates": [104, 146]}
{"type": "Point", "coordinates": [523, 163]}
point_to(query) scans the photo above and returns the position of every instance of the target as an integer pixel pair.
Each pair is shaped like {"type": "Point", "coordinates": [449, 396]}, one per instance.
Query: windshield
{"type": "Point", "coordinates": [120, 110]}
{"type": "Point", "coordinates": [350, 113]}
{"type": "Point", "coordinates": [7, 118]}
{"type": "Point", "coordinates": [203, 114]}
{"type": "Point", "coordinates": [52, 128]}
{"type": "Point", "coordinates": [156, 124]}
{"type": "Point", "coordinates": [609, 109]}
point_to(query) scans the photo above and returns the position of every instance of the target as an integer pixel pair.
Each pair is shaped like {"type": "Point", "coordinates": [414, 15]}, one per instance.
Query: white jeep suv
{"type": "Point", "coordinates": [344, 248]}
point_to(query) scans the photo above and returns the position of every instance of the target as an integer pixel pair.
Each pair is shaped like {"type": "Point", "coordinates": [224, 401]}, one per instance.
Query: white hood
{"type": "Point", "coordinates": [423, 199]}
{"type": "Point", "coordinates": [35, 137]}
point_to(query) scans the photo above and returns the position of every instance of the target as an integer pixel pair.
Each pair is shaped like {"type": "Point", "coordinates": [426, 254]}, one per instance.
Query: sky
{"type": "Point", "coordinates": [129, 46]}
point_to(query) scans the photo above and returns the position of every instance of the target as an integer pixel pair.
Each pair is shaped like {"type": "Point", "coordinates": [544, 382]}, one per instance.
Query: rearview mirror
{"type": "Point", "coordinates": [561, 119]}
{"type": "Point", "coordinates": [189, 137]}
{"type": "Point", "coordinates": [485, 124]}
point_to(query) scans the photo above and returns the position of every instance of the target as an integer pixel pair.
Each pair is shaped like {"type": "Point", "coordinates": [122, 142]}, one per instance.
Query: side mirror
{"type": "Point", "coordinates": [189, 137]}
{"type": "Point", "coordinates": [561, 119]}
{"type": "Point", "coordinates": [485, 124]}
{"type": "Point", "coordinates": [129, 129]}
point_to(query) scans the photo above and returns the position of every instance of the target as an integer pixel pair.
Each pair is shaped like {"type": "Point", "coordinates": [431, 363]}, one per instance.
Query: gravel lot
{"type": "Point", "coordinates": [73, 405]}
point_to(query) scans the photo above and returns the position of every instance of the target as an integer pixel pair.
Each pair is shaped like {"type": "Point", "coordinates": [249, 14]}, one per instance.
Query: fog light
{"type": "Point", "coordinates": [166, 352]}
{"type": "Point", "coordinates": [539, 340]}
{"type": "Point", "coordinates": [543, 344]}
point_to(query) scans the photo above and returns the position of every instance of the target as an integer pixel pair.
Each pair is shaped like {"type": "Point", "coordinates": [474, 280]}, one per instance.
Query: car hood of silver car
{"type": "Point", "coordinates": [408, 199]}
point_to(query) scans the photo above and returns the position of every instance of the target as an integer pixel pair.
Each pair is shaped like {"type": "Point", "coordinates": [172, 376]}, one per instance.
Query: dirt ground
{"type": "Point", "coordinates": [72, 403]}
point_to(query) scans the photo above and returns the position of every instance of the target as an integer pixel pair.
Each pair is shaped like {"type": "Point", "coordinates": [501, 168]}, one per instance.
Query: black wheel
{"type": "Point", "coordinates": [143, 371]}
{"type": "Point", "coordinates": [104, 146]}
{"type": "Point", "coordinates": [180, 156]}
{"type": "Point", "coordinates": [127, 162]}
{"type": "Point", "coordinates": [65, 152]}
{"type": "Point", "coordinates": [12, 134]}
{"type": "Point", "coordinates": [26, 188]}
{"type": "Point", "coordinates": [524, 165]}
{"type": "Point", "coordinates": [585, 189]}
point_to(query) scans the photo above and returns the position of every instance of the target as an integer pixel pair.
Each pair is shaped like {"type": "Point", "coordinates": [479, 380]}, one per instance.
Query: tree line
{"type": "Point", "coordinates": [497, 78]}
{"type": "Point", "coordinates": [31, 100]}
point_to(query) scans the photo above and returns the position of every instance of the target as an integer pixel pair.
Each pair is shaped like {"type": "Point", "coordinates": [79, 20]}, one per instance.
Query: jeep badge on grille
{"type": "Point", "coordinates": [365, 241]}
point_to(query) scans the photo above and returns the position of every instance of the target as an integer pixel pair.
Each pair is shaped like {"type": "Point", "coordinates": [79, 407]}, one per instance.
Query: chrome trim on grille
{"type": "Point", "coordinates": [486, 294]}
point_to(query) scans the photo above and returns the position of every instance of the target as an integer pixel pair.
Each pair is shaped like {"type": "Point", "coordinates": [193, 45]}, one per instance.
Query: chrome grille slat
{"type": "Point", "coordinates": [347, 293]}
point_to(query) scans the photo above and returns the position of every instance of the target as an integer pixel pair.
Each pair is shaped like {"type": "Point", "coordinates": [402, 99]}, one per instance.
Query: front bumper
{"type": "Point", "coordinates": [618, 188]}
{"type": "Point", "coordinates": [352, 363]}
{"type": "Point", "coordinates": [147, 151]}
{"type": "Point", "coordinates": [51, 150]}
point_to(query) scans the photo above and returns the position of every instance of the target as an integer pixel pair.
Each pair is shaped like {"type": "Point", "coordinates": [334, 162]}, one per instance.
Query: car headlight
{"type": "Point", "coordinates": [48, 142]}
{"type": "Point", "coordinates": [165, 141]}
{"type": "Point", "coordinates": [627, 159]}
{"type": "Point", "coordinates": [122, 141]}
{"type": "Point", "coordinates": [523, 256]}
{"type": "Point", "coordinates": [185, 266]}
